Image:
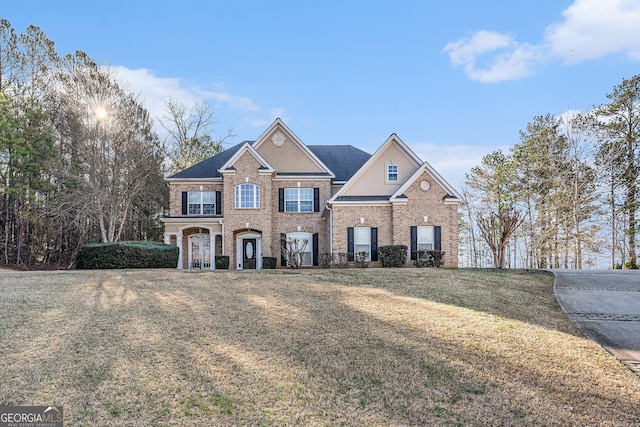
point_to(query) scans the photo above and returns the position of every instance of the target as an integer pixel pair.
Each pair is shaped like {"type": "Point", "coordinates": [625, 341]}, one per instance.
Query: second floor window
{"type": "Point", "coordinates": [247, 196]}
{"type": "Point", "coordinates": [392, 173]}
{"type": "Point", "coordinates": [298, 199]}
{"type": "Point", "coordinates": [202, 203]}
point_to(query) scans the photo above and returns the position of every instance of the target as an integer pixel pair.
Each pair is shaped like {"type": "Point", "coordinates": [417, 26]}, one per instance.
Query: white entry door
{"type": "Point", "coordinates": [199, 251]}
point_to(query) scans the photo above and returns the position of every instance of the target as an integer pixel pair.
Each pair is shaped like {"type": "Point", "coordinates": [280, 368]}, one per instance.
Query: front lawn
{"type": "Point", "coordinates": [315, 347]}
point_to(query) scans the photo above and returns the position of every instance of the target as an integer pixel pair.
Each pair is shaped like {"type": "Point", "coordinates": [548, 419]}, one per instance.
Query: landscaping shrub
{"type": "Point", "coordinates": [222, 262]}
{"type": "Point", "coordinates": [392, 255]}
{"type": "Point", "coordinates": [325, 260]}
{"type": "Point", "coordinates": [361, 259]}
{"type": "Point", "coordinates": [630, 265]}
{"type": "Point", "coordinates": [429, 259]}
{"type": "Point", "coordinates": [341, 259]}
{"type": "Point", "coordinates": [127, 255]}
{"type": "Point", "coordinates": [269, 262]}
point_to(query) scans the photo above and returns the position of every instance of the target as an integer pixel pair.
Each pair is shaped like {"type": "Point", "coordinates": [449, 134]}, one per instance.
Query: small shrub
{"type": "Point", "coordinates": [631, 264]}
{"type": "Point", "coordinates": [617, 266]}
{"type": "Point", "coordinates": [361, 260]}
{"type": "Point", "coordinates": [325, 260]}
{"type": "Point", "coordinates": [269, 262]}
{"type": "Point", "coordinates": [429, 259]}
{"type": "Point", "coordinates": [222, 262]}
{"type": "Point", "coordinates": [127, 254]}
{"type": "Point", "coordinates": [341, 259]}
{"type": "Point", "coordinates": [392, 255]}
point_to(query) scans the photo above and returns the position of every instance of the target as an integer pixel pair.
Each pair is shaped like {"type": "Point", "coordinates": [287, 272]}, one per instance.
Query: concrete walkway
{"type": "Point", "coordinates": [606, 303]}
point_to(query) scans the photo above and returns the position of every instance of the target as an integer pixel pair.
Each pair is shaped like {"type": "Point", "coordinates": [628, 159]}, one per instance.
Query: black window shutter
{"type": "Point", "coordinates": [437, 238]}
{"type": "Point", "coordinates": [414, 241]}
{"type": "Point", "coordinates": [350, 243]}
{"type": "Point", "coordinates": [280, 199]}
{"type": "Point", "coordinates": [218, 202]}
{"type": "Point", "coordinates": [315, 249]}
{"type": "Point", "coordinates": [184, 202]}
{"type": "Point", "coordinates": [316, 200]}
{"type": "Point", "coordinates": [283, 249]}
{"type": "Point", "coordinates": [374, 243]}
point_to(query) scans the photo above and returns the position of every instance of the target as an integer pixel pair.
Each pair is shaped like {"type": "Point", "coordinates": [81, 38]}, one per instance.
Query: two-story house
{"type": "Point", "coordinates": [249, 200]}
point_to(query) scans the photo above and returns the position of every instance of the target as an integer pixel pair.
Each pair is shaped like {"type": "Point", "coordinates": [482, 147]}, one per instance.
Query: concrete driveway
{"type": "Point", "coordinates": [606, 303]}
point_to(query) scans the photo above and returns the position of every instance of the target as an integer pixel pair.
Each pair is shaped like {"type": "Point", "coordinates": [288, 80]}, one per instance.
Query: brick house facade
{"type": "Point", "coordinates": [249, 200]}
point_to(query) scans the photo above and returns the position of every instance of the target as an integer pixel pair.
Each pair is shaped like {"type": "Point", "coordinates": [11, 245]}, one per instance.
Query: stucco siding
{"type": "Point", "coordinates": [372, 181]}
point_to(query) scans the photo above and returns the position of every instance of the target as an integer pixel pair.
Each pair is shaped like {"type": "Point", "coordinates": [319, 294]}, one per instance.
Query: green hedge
{"type": "Point", "coordinates": [392, 255]}
{"type": "Point", "coordinates": [222, 262]}
{"type": "Point", "coordinates": [269, 262]}
{"type": "Point", "coordinates": [127, 255]}
{"type": "Point", "coordinates": [429, 259]}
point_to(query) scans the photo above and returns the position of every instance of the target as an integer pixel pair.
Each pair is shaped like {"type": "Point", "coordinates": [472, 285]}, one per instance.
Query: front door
{"type": "Point", "coordinates": [249, 254]}
{"type": "Point", "coordinates": [200, 252]}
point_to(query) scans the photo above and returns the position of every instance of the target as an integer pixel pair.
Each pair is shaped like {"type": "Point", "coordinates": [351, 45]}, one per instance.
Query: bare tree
{"type": "Point", "coordinates": [293, 252]}
{"type": "Point", "coordinates": [496, 229]}
{"type": "Point", "coordinates": [497, 219]}
{"type": "Point", "coordinates": [190, 134]}
{"type": "Point", "coordinates": [115, 157]}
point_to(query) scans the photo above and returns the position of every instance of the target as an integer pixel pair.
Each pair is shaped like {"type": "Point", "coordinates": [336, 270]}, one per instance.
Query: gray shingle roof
{"type": "Point", "coordinates": [208, 168]}
{"type": "Point", "coordinates": [343, 160]}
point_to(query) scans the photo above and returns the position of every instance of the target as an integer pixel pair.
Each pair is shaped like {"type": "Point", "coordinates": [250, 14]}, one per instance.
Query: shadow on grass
{"type": "Point", "coordinates": [349, 347]}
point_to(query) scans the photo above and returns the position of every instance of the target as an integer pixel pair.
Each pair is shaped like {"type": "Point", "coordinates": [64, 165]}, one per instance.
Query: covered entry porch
{"type": "Point", "coordinates": [198, 240]}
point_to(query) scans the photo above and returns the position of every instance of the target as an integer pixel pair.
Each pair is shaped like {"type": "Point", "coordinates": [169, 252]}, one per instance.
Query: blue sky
{"type": "Point", "coordinates": [454, 80]}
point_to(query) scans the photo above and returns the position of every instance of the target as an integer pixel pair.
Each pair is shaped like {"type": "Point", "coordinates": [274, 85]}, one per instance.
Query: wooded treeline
{"type": "Point", "coordinates": [79, 161]}
{"type": "Point", "coordinates": [565, 196]}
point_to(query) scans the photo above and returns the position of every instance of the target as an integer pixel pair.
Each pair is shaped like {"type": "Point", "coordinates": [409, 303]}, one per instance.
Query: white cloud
{"type": "Point", "coordinates": [595, 28]}
{"type": "Point", "coordinates": [591, 29]}
{"type": "Point", "coordinates": [466, 50]}
{"type": "Point", "coordinates": [154, 91]}
{"type": "Point", "coordinates": [510, 61]}
{"type": "Point", "coordinates": [233, 101]}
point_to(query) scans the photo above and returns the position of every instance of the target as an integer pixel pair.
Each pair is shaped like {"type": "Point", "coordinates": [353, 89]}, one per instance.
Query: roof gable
{"type": "Point", "coordinates": [246, 148]}
{"type": "Point", "coordinates": [452, 194]}
{"type": "Point", "coordinates": [370, 179]}
{"type": "Point", "coordinates": [287, 153]}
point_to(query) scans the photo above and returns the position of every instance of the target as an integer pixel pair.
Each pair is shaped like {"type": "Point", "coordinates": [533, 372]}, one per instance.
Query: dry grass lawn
{"type": "Point", "coordinates": [360, 347]}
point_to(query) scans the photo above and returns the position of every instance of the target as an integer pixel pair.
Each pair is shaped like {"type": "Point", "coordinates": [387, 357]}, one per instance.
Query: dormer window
{"type": "Point", "coordinates": [392, 173]}
{"type": "Point", "coordinates": [247, 196]}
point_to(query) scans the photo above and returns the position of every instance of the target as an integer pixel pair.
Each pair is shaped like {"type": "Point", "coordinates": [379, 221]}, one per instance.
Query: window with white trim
{"type": "Point", "coordinates": [298, 199]}
{"type": "Point", "coordinates": [362, 242]}
{"type": "Point", "coordinates": [425, 238]}
{"type": "Point", "coordinates": [392, 173]}
{"type": "Point", "coordinates": [306, 256]}
{"type": "Point", "coordinates": [202, 202]}
{"type": "Point", "coordinates": [247, 196]}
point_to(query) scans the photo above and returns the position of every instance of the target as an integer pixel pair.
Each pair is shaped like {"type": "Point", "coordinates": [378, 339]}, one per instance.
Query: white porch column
{"type": "Point", "coordinates": [212, 250]}
{"type": "Point", "coordinates": [179, 244]}
{"type": "Point", "coordinates": [167, 238]}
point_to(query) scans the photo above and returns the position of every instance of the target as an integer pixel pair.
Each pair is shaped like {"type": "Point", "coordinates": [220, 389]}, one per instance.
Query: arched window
{"type": "Point", "coordinates": [247, 196]}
